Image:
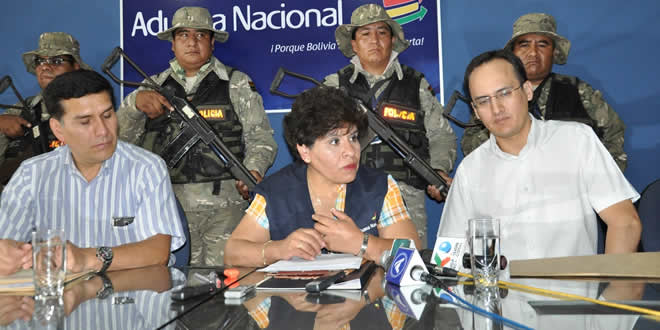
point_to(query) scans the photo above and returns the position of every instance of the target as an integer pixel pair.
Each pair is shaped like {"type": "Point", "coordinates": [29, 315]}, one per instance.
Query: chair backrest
{"type": "Point", "coordinates": [601, 228]}
{"type": "Point", "coordinates": [183, 253]}
{"type": "Point", "coordinates": [649, 212]}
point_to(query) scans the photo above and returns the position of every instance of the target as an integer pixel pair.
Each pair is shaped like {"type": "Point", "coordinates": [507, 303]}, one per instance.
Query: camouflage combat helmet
{"type": "Point", "coordinates": [54, 44]}
{"type": "Point", "coordinates": [544, 24]}
{"type": "Point", "coordinates": [193, 18]}
{"type": "Point", "coordinates": [365, 15]}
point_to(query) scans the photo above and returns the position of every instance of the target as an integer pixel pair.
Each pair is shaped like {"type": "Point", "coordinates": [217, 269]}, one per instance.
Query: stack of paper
{"type": "Point", "coordinates": [331, 261]}
{"type": "Point", "coordinates": [323, 263]}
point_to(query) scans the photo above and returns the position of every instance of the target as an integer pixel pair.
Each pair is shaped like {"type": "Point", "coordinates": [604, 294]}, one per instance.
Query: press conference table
{"type": "Point", "coordinates": [142, 300]}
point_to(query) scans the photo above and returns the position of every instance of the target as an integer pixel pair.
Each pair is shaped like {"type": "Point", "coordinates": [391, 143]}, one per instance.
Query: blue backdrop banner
{"type": "Point", "coordinates": [264, 35]}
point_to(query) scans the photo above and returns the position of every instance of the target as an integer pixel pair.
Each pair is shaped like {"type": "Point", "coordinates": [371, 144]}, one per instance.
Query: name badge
{"type": "Point", "coordinates": [122, 300]}
{"type": "Point", "coordinates": [122, 221]}
{"type": "Point", "coordinates": [369, 226]}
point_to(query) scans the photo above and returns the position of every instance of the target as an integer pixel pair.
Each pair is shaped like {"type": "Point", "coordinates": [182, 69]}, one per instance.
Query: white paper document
{"type": "Point", "coordinates": [353, 284]}
{"type": "Point", "coordinates": [331, 261]}
{"type": "Point", "coordinates": [296, 285]}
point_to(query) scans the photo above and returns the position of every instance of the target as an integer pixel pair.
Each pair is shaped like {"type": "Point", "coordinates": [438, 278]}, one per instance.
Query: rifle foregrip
{"type": "Point", "coordinates": [4, 83]}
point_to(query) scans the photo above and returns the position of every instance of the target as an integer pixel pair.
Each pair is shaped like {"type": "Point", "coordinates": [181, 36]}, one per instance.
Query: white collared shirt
{"type": "Point", "coordinates": [545, 196]}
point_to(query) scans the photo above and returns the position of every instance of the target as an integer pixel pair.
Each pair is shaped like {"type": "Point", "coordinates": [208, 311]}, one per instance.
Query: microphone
{"type": "Point", "coordinates": [403, 263]}
{"type": "Point", "coordinates": [467, 264]}
{"type": "Point", "coordinates": [436, 296]}
{"type": "Point", "coordinates": [468, 290]}
{"type": "Point", "coordinates": [420, 274]}
{"type": "Point", "coordinates": [411, 300]}
{"type": "Point", "coordinates": [412, 271]}
{"type": "Point", "coordinates": [193, 291]}
{"type": "Point", "coordinates": [323, 283]}
{"type": "Point", "coordinates": [448, 252]}
{"type": "Point", "coordinates": [437, 270]}
{"type": "Point", "coordinates": [385, 260]}
{"type": "Point", "coordinates": [387, 255]}
{"type": "Point", "coordinates": [419, 295]}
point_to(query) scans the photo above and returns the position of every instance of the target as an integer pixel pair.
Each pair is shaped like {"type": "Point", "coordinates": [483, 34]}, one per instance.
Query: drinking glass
{"type": "Point", "coordinates": [49, 263]}
{"type": "Point", "coordinates": [484, 241]}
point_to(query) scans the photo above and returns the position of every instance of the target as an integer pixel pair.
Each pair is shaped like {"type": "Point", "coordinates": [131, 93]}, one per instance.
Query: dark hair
{"type": "Point", "coordinates": [488, 56]}
{"type": "Point", "coordinates": [357, 27]}
{"type": "Point", "coordinates": [73, 85]}
{"type": "Point", "coordinates": [318, 111]}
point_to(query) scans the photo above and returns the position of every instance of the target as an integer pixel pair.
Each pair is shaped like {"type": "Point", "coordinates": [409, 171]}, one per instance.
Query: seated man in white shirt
{"type": "Point", "coordinates": [542, 179]}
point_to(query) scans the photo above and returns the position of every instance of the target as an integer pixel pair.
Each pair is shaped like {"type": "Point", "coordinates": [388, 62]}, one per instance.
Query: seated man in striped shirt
{"type": "Point", "coordinates": [113, 200]}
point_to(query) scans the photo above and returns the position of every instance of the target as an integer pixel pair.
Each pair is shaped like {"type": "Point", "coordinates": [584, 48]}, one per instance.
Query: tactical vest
{"type": "Point", "coordinates": [288, 204]}
{"type": "Point", "coordinates": [40, 138]}
{"type": "Point", "coordinates": [200, 163]}
{"type": "Point", "coordinates": [564, 102]}
{"type": "Point", "coordinates": [404, 92]}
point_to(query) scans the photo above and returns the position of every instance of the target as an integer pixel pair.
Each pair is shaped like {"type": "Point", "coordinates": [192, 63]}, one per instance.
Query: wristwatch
{"type": "Point", "coordinates": [365, 242]}
{"type": "Point", "coordinates": [365, 294]}
{"type": "Point", "coordinates": [104, 254]}
{"type": "Point", "coordinates": [107, 288]}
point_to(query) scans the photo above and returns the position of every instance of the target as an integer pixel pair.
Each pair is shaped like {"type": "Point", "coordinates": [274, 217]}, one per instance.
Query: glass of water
{"type": "Point", "coordinates": [484, 241]}
{"type": "Point", "coordinates": [49, 263]}
{"type": "Point", "coordinates": [487, 299]}
{"type": "Point", "coordinates": [48, 314]}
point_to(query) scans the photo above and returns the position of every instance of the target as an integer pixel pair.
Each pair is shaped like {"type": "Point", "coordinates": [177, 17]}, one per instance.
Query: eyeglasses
{"type": "Point", "coordinates": [502, 95]}
{"type": "Point", "coordinates": [184, 35]}
{"type": "Point", "coordinates": [55, 61]}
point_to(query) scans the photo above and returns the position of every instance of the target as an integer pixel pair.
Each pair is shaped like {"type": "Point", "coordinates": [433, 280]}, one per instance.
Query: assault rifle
{"type": "Point", "coordinates": [32, 135]}
{"type": "Point", "coordinates": [195, 128]}
{"type": "Point", "coordinates": [5, 83]}
{"type": "Point", "coordinates": [381, 128]}
{"type": "Point", "coordinates": [450, 106]}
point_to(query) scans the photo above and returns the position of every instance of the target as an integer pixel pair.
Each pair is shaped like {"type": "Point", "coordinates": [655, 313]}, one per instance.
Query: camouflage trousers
{"type": "Point", "coordinates": [415, 200]}
{"type": "Point", "coordinates": [211, 219]}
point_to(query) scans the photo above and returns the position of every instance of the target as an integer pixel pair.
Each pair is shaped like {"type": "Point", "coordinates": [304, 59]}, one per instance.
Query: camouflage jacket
{"type": "Point", "coordinates": [442, 140]}
{"type": "Point", "coordinates": [31, 101]}
{"type": "Point", "coordinates": [602, 113]}
{"type": "Point", "coordinates": [260, 146]}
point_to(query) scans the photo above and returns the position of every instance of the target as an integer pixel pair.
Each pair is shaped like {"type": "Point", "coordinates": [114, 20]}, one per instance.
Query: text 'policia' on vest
{"type": "Point", "coordinates": [404, 115]}
{"type": "Point", "coordinates": [200, 164]}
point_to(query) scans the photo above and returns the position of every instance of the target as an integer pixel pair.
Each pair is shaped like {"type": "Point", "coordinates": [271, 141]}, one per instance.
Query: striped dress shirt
{"type": "Point", "coordinates": [134, 309]}
{"type": "Point", "coordinates": [48, 191]}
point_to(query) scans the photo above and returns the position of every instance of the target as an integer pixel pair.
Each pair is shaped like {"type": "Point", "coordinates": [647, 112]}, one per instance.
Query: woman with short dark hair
{"type": "Point", "coordinates": [323, 199]}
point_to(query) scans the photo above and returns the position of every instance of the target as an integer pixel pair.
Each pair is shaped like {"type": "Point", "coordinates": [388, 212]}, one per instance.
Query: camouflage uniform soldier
{"type": "Point", "coordinates": [228, 100]}
{"type": "Point", "coordinates": [556, 96]}
{"type": "Point", "coordinates": [373, 41]}
{"type": "Point", "coordinates": [58, 53]}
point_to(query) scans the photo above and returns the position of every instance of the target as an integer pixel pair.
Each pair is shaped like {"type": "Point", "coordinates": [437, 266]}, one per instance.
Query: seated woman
{"type": "Point", "coordinates": [324, 199]}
